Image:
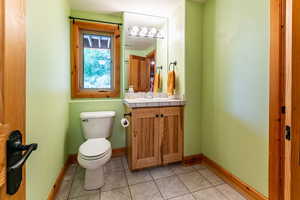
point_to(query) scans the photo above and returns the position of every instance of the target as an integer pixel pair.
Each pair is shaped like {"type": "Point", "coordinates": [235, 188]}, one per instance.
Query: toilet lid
{"type": "Point", "coordinates": [94, 147]}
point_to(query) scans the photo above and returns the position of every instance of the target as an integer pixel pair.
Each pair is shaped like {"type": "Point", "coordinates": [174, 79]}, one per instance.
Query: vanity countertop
{"type": "Point", "coordinates": [152, 102]}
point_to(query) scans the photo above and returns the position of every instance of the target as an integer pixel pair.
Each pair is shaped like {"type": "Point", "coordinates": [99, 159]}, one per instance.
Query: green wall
{"type": "Point", "coordinates": [47, 93]}
{"type": "Point", "coordinates": [193, 70]}
{"type": "Point", "coordinates": [75, 136]}
{"type": "Point", "coordinates": [192, 131]}
{"type": "Point", "coordinates": [234, 91]}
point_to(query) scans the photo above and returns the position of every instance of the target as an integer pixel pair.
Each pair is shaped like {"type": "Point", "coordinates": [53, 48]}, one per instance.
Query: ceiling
{"type": "Point", "coordinates": [150, 7]}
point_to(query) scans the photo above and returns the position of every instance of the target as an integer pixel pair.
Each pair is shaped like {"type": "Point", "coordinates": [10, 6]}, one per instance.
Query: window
{"type": "Point", "coordinates": [96, 60]}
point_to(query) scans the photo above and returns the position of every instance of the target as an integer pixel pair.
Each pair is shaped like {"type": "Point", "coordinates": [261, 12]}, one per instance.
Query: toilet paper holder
{"type": "Point", "coordinates": [127, 114]}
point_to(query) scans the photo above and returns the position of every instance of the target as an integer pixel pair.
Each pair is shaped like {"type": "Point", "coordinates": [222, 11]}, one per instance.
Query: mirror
{"type": "Point", "coordinates": [146, 51]}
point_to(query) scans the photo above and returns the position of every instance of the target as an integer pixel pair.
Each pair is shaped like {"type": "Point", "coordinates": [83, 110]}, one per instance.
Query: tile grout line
{"type": "Point", "coordinates": [213, 185]}
{"type": "Point", "coordinates": [154, 180]}
{"type": "Point", "coordinates": [189, 192]}
{"type": "Point", "coordinates": [72, 181]}
{"type": "Point", "coordinates": [128, 186]}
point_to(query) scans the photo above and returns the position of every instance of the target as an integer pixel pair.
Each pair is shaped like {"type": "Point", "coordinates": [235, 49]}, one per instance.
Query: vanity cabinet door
{"type": "Point", "coordinates": [171, 134]}
{"type": "Point", "coordinates": [145, 138]}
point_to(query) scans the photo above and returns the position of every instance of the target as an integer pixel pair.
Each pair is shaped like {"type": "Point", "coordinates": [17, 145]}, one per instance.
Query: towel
{"type": "Point", "coordinates": [156, 82]}
{"type": "Point", "coordinates": [171, 82]}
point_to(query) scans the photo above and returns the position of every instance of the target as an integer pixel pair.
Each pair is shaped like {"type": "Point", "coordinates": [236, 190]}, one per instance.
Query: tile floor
{"type": "Point", "coordinates": [174, 182]}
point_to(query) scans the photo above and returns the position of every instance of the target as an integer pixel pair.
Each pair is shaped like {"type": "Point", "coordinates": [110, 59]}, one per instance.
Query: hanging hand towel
{"type": "Point", "coordinates": [156, 82]}
{"type": "Point", "coordinates": [171, 82]}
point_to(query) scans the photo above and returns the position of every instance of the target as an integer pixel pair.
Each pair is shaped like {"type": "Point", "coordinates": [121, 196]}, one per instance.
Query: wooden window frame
{"type": "Point", "coordinates": [77, 69]}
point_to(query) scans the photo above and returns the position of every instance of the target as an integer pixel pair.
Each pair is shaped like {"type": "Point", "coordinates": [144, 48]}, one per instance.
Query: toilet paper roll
{"type": "Point", "coordinates": [124, 122]}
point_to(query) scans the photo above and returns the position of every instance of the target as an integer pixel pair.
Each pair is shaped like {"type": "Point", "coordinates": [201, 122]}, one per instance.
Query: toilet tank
{"type": "Point", "coordinates": [97, 124]}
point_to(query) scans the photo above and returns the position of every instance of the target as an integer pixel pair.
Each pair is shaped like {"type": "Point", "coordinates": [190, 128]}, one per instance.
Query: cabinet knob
{"type": "Point", "coordinates": [161, 115]}
{"type": "Point", "coordinates": [156, 115]}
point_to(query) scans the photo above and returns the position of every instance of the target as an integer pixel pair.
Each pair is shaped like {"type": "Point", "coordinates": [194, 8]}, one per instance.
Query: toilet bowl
{"type": "Point", "coordinates": [96, 151]}
{"type": "Point", "coordinates": [93, 155]}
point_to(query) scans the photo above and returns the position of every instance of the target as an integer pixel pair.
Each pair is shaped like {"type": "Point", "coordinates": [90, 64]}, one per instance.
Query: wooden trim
{"type": "Point", "coordinates": [76, 71]}
{"type": "Point", "coordinates": [234, 181]}
{"type": "Point", "coordinates": [276, 100]}
{"type": "Point", "coordinates": [152, 54]}
{"type": "Point", "coordinates": [192, 159]}
{"type": "Point", "coordinates": [119, 152]}
{"type": "Point", "coordinates": [54, 190]}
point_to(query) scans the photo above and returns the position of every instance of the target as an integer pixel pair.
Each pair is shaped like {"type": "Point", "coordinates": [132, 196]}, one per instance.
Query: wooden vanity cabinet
{"type": "Point", "coordinates": [154, 137]}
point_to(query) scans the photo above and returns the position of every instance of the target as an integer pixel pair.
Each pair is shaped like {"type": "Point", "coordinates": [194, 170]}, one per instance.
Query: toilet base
{"type": "Point", "coordinates": [94, 179]}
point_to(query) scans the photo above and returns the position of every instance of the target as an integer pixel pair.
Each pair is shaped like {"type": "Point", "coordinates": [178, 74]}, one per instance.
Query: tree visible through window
{"type": "Point", "coordinates": [96, 60]}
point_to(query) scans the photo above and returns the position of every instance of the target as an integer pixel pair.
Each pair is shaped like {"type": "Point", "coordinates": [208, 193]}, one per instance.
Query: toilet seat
{"type": "Point", "coordinates": [94, 149]}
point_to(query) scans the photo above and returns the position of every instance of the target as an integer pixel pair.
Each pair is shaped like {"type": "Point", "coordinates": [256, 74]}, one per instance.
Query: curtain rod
{"type": "Point", "coordinates": [92, 20]}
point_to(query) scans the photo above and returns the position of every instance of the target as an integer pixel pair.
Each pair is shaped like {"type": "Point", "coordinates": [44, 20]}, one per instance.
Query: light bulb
{"type": "Point", "coordinates": [152, 32]}
{"type": "Point", "coordinates": [159, 35]}
{"type": "Point", "coordinates": [134, 31]}
{"type": "Point", "coordinates": [143, 32]}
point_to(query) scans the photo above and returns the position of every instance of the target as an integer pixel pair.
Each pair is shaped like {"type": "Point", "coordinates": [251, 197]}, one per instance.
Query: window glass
{"type": "Point", "coordinates": [97, 61]}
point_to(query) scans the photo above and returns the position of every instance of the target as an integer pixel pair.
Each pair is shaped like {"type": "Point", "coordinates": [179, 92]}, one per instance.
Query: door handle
{"type": "Point", "coordinates": [29, 149]}
{"type": "Point", "coordinates": [16, 159]}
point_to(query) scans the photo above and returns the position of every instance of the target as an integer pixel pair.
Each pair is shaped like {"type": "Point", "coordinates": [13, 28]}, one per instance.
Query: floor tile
{"type": "Point", "coordinates": [77, 188]}
{"type": "Point", "coordinates": [172, 182]}
{"type": "Point", "coordinates": [160, 172]}
{"type": "Point", "coordinates": [70, 173]}
{"type": "Point", "coordinates": [171, 187]}
{"type": "Point", "coordinates": [138, 177]}
{"type": "Point", "coordinates": [64, 190]}
{"type": "Point", "coordinates": [194, 181]}
{"type": "Point", "coordinates": [94, 196]}
{"type": "Point", "coordinates": [199, 166]}
{"type": "Point", "coordinates": [114, 165]}
{"type": "Point", "coordinates": [117, 194]}
{"type": "Point", "coordinates": [181, 169]}
{"type": "Point", "coordinates": [229, 192]}
{"type": "Point", "coordinates": [114, 180]}
{"type": "Point", "coordinates": [145, 191]}
{"type": "Point", "coordinates": [211, 177]}
{"type": "Point", "coordinates": [209, 194]}
{"type": "Point", "coordinates": [125, 163]}
{"type": "Point", "coordinates": [184, 197]}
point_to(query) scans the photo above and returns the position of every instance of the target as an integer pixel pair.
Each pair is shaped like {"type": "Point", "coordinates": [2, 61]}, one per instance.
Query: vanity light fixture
{"type": "Point", "coordinates": [152, 32]}
{"type": "Point", "coordinates": [159, 35]}
{"type": "Point", "coordinates": [145, 32]}
{"type": "Point", "coordinates": [134, 31]}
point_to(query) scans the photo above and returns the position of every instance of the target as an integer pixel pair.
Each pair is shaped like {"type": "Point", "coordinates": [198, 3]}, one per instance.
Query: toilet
{"type": "Point", "coordinates": [96, 150]}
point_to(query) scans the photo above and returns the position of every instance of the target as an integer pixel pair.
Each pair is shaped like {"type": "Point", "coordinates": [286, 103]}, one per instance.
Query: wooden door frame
{"type": "Point", "coordinates": [276, 100]}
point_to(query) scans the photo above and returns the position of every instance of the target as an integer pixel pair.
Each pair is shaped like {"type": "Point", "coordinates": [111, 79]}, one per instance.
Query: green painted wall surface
{"type": "Point", "coordinates": [192, 141]}
{"type": "Point", "coordinates": [193, 57]}
{"type": "Point", "coordinates": [48, 84]}
{"type": "Point", "coordinates": [75, 135]}
{"type": "Point", "coordinates": [234, 89]}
